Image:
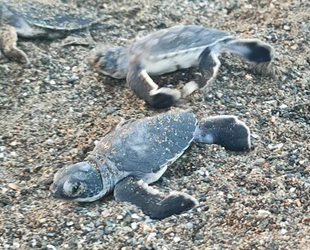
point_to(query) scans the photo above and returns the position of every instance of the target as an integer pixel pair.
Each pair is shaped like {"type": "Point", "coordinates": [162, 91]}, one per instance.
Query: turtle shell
{"type": "Point", "coordinates": [177, 39]}
{"type": "Point", "coordinates": [148, 144]}
{"type": "Point", "coordinates": [50, 15]}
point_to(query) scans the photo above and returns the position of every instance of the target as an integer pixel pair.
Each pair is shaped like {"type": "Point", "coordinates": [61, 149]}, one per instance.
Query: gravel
{"type": "Point", "coordinates": [53, 110]}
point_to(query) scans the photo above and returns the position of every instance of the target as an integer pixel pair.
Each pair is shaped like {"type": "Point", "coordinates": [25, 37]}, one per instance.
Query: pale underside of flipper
{"type": "Point", "coordinates": [208, 65]}
{"type": "Point", "coordinates": [225, 130]}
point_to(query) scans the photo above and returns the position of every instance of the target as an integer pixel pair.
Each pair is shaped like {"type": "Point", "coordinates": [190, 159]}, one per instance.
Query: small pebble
{"type": "Point", "coordinates": [70, 223]}
{"type": "Point", "coordinates": [105, 213]}
{"type": "Point", "coordinates": [168, 230]}
{"type": "Point", "coordinates": [259, 162]}
{"type": "Point", "coordinates": [275, 146]}
{"type": "Point", "coordinates": [75, 69]}
{"type": "Point", "coordinates": [283, 106]}
{"type": "Point", "coordinates": [13, 186]}
{"type": "Point", "coordinates": [283, 231]}
{"type": "Point", "coordinates": [263, 214]}
{"type": "Point", "coordinates": [110, 110]}
{"type": "Point", "coordinates": [219, 95]}
{"type": "Point", "coordinates": [151, 236]}
{"type": "Point", "coordinates": [248, 77]}
{"type": "Point", "coordinates": [134, 225]}
{"type": "Point", "coordinates": [51, 247]}
{"type": "Point", "coordinates": [119, 217]}
{"type": "Point", "coordinates": [176, 239]}
{"type": "Point", "coordinates": [135, 216]}
{"type": "Point", "coordinates": [189, 225]}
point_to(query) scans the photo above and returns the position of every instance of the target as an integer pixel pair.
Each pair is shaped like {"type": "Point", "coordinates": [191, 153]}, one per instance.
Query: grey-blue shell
{"type": "Point", "coordinates": [148, 144]}
{"type": "Point", "coordinates": [178, 38]}
{"type": "Point", "coordinates": [49, 16]}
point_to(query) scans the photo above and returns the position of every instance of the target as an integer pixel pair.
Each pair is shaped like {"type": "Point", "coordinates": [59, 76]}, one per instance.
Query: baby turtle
{"type": "Point", "coordinates": [36, 19]}
{"type": "Point", "coordinates": [179, 47]}
{"type": "Point", "coordinates": [138, 153]}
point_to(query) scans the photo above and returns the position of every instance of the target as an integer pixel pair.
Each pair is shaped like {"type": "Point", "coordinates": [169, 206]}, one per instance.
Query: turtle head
{"type": "Point", "coordinates": [110, 60]}
{"type": "Point", "coordinates": [79, 182]}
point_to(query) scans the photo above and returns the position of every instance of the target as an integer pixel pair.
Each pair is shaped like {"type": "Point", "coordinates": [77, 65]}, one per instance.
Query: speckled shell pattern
{"type": "Point", "coordinates": [148, 144]}
{"type": "Point", "coordinates": [177, 39]}
{"type": "Point", "coordinates": [50, 15]}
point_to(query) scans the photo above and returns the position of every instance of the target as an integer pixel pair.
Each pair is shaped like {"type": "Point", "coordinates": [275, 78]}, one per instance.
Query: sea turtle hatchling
{"type": "Point", "coordinates": [138, 153]}
{"type": "Point", "coordinates": [178, 47]}
{"type": "Point", "coordinates": [37, 19]}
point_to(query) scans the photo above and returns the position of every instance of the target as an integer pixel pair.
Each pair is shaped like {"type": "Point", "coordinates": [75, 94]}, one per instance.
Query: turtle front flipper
{"type": "Point", "coordinates": [150, 200]}
{"type": "Point", "coordinates": [224, 130]}
{"type": "Point", "coordinates": [8, 39]}
{"type": "Point", "coordinates": [144, 87]}
{"type": "Point", "coordinates": [209, 65]}
{"type": "Point", "coordinates": [258, 53]}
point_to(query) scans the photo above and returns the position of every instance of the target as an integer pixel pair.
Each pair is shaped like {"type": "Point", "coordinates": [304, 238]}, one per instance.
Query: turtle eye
{"type": "Point", "coordinates": [76, 188]}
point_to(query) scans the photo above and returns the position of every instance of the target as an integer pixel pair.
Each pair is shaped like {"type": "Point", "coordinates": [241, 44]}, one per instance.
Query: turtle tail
{"type": "Point", "coordinates": [224, 130]}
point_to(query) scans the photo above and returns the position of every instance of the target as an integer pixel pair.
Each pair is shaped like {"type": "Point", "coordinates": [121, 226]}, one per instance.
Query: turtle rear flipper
{"type": "Point", "coordinates": [144, 87]}
{"type": "Point", "coordinates": [254, 51]}
{"type": "Point", "coordinates": [8, 39]}
{"type": "Point", "coordinates": [150, 200]}
{"type": "Point", "coordinates": [225, 130]}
